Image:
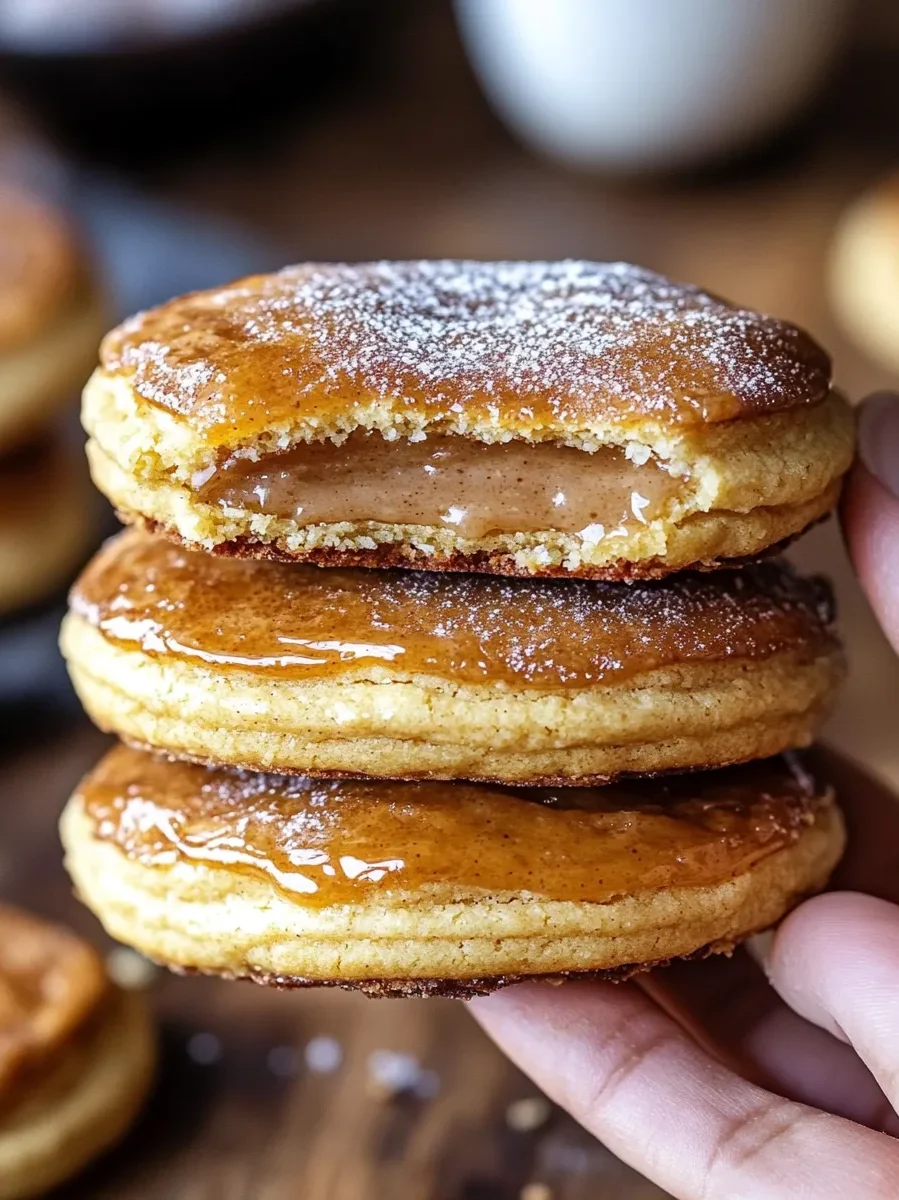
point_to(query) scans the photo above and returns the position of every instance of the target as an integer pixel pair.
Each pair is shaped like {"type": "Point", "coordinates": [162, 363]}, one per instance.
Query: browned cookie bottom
{"type": "Point", "coordinates": [389, 556]}
{"type": "Point", "coordinates": [460, 989]}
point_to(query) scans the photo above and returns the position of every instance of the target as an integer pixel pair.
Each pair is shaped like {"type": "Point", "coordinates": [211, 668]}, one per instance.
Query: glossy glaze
{"type": "Point", "coordinates": [349, 842]}
{"type": "Point", "coordinates": [295, 621]}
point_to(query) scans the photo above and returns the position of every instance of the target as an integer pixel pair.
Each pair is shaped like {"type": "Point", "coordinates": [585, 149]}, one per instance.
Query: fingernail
{"type": "Point", "coordinates": [878, 438]}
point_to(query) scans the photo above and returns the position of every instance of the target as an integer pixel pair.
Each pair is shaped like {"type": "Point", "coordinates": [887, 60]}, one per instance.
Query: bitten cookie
{"type": "Point", "coordinates": [569, 418]}
{"type": "Point", "coordinates": [51, 316]}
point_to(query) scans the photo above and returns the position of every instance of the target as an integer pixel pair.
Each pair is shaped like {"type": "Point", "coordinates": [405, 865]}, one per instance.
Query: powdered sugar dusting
{"type": "Point", "coordinates": [518, 343]}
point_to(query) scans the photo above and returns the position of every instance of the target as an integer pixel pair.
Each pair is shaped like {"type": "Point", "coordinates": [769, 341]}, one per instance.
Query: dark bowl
{"type": "Point", "coordinates": [128, 104]}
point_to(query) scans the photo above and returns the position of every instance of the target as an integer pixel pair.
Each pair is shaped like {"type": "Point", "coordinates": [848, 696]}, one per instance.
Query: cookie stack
{"type": "Point", "coordinates": [50, 319]}
{"type": "Point", "coordinates": [440, 775]}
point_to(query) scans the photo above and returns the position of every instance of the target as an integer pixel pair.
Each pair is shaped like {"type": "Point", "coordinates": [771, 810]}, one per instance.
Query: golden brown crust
{"type": "Point", "coordinates": [554, 349]}
{"type": "Point", "coordinates": [534, 780]}
{"type": "Point", "coordinates": [733, 716]}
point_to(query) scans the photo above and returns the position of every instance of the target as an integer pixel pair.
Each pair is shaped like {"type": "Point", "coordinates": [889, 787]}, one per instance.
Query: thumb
{"type": "Point", "coordinates": [871, 509]}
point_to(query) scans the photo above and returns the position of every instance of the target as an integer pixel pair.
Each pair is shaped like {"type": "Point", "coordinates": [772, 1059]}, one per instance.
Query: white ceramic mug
{"type": "Point", "coordinates": [638, 85]}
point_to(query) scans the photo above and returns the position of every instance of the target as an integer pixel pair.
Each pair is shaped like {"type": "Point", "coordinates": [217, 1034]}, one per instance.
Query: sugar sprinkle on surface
{"type": "Point", "coordinates": [515, 342]}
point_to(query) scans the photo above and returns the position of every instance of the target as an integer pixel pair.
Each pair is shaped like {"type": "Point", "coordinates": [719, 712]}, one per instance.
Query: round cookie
{"type": "Point", "coordinates": [46, 521]}
{"type": "Point", "coordinates": [864, 272]}
{"type": "Point", "coordinates": [449, 888]}
{"type": "Point", "coordinates": [76, 1056]}
{"type": "Point", "coordinates": [409, 675]}
{"type": "Point", "coordinates": [579, 419]}
{"type": "Point", "coordinates": [51, 315]}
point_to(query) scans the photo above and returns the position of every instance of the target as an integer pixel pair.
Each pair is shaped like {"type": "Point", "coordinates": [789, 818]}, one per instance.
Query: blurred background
{"type": "Point", "coordinates": [152, 146]}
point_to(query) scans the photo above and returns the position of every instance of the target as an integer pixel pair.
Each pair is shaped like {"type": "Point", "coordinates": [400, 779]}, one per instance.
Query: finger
{"type": "Point", "coordinates": [835, 960]}
{"type": "Point", "coordinates": [871, 812]}
{"type": "Point", "coordinates": [871, 524]}
{"type": "Point", "coordinates": [630, 1075]}
{"type": "Point", "coordinates": [878, 438]}
{"type": "Point", "coordinates": [730, 1009]}
{"type": "Point", "coordinates": [871, 509]}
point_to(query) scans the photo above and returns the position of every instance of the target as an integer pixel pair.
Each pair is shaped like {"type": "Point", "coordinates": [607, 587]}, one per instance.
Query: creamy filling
{"type": "Point", "coordinates": [469, 487]}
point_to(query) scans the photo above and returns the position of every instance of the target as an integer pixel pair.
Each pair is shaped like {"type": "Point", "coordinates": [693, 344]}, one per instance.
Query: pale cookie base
{"type": "Point", "coordinates": [193, 917]}
{"type": "Point", "coordinates": [45, 540]}
{"type": "Point", "coordinates": [40, 377]}
{"type": "Point", "coordinates": [81, 1108]}
{"type": "Point", "coordinates": [397, 726]}
{"type": "Point", "coordinates": [752, 484]}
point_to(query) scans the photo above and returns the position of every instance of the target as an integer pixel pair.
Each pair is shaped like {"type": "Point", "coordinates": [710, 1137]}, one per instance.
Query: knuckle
{"type": "Point", "coordinates": [744, 1139]}
{"type": "Point", "coordinates": [631, 1047]}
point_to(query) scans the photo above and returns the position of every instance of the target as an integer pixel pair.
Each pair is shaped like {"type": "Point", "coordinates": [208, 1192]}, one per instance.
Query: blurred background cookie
{"type": "Point", "coordinates": [51, 315]}
{"type": "Point", "coordinates": [76, 250]}
{"type": "Point", "coordinates": [52, 309]}
{"type": "Point", "coordinates": [76, 1055]}
{"type": "Point", "coordinates": [48, 520]}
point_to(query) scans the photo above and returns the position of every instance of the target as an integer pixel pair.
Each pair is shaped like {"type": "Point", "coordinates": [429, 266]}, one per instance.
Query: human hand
{"type": "Point", "coordinates": [705, 1078]}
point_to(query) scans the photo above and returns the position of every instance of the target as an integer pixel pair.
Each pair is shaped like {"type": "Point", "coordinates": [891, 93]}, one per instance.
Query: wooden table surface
{"type": "Point", "coordinates": [415, 165]}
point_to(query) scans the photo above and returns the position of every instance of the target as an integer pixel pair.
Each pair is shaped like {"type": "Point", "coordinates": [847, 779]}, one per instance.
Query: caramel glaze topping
{"type": "Point", "coordinates": [351, 841]}
{"type": "Point", "coordinates": [51, 982]}
{"type": "Point", "coordinates": [302, 622]}
{"type": "Point", "coordinates": [525, 348]}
